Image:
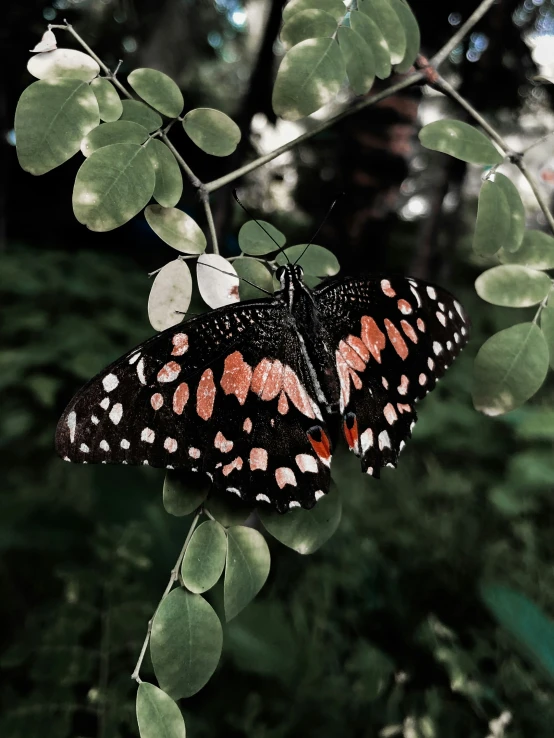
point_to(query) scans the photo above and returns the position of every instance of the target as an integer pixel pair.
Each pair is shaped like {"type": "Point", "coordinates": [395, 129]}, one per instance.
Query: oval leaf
{"type": "Point", "coordinates": [212, 131]}
{"type": "Point", "coordinates": [527, 623]}
{"type": "Point", "coordinates": [158, 716]}
{"type": "Point", "coordinates": [547, 327]}
{"type": "Point", "coordinates": [170, 295]}
{"type": "Point", "coordinates": [254, 240]}
{"type": "Point", "coordinates": [305, 530]}
{"type": "Point", "coordinates": [112, 186]}
{"type": "Point", "coordinates": [317, 261]}
{"type": "Point", "coordinates": [358, 60]}
{"type": "Point", "coordinates": [121, 131]}
{"type": "Point", "coordinates": [158, 90]}
{"type": "Point", "coordinates": [176, 228]}
{"type": "Point", "coordinates": [516, 209]}
{"type": "Point", "coordinates": [169, 181]}
{"type": "Point", "coordinates": [204, 559]}
{"type": "Point", "coordinates": [227, 509]}
{"type": "Point", "coordinates": [140, 113]}
{"type": "Point", "coordinates": [185, 643]}
{"type": "Point", "coordinates": [67, 63]}
{"type": "Point", "coordinates": [335, 8]}
{"type": "Point", "coordinates": [493, 219]}
{"type": "Point", "coordinates": [218, 282]}
{"type": "Point", "coordinates": [184, 492]}
{"type": "Point", "coordinates": [382, 13]}
{"type": "Point", "coordinates": [459, 140]}
{"type": "Point", "coordinates": [510, 367]}
{"type": "Point", "coordinates": [305, 24]}
{"type": "Point", "coordinates": [310, 75]}
{"type": "Point", "coordinates": [257, 274]}
{"type": "Point", "coordinates": [371, 34]}
{"type": "Point", "coordinates": [246, 570]}
{"type": "Point", "coordinates": [109, 102]}
{"type": "Point", "coordinates": [513, 286]}
{"type": "Point", "coordinates": [536, 251]}
{"type": "Point", "coordinates": [51, 119]}
{"type": "Point", "coordinates": [413, 36]}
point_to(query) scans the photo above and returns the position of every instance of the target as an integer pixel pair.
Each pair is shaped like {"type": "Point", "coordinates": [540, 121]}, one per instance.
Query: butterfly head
{"type": "Point", "coordinates": [289, 275]}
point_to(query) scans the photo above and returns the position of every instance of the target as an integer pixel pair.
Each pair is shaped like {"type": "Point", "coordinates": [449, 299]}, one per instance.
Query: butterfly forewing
{"type": "Point", "coordinates": [393, 340]}
{"type": "Point", "coordinates": [226, 394]}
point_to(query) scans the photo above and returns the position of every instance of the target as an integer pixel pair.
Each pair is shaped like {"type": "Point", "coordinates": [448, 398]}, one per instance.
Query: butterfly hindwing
{"type": "Point", "coordinates": [226, 393]}
{"type": "Point", "coordinates": [393, 340]}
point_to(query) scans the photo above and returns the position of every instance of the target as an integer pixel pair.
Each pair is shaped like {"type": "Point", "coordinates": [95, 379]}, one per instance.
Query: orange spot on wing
{"type": "Point", "coordinates": [390, 414]}
{"type": "Point", "coordinates": [247, 426]}
{"type": "Point", "coordinates": [157, 401]}
{"type": "Point", "coordinates": [237, 376]}
{"type": "Point", "coordinates": [235, 464]}
{"type": "Point", "coordinates": [352, 358]}
{"type": "Point", "coordinates": [351, 434]}
{"type": "Point", "coordinates": [180, 343]}
{"type": "Point", "coordinates": [403, 408]}
{"type": "Point", "coordinates": [169, 372]}
{"type": "Point", "coordinates": [396, 339]}
{"type": "Point", "coordinates": [258, 459]}
{"type": "Point", "coordinates": [180, 398]}
{"type": "Point", "coordinates": [222, 444]}
{"type": "Point", "coordinates": [283, 405]}
{"type": "Point", "coordinates": [320, 443]}
{"type": "Point", "coordinates": [409, 331]}
{"type": "Point", "coordinates": [373, 337]}
{"type": "Point", "coordinates": [404, 307]}
{"type": "Point", "coordinates": [274, 381]}
{"type": "Point", "coordinates": [205, 395]}
{"type": "Point", "coordinates": [260, 375]}
{"type": "Point", "coordinates": [297, 393]}
{"type": "Point", "coordinates": [359, 347]}
{"type": "Point", "coordinates": [387, 289]}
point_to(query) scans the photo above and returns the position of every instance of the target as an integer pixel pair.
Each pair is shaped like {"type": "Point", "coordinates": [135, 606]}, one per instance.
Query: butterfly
{"type": "Point", "coordinates": [247, 393]}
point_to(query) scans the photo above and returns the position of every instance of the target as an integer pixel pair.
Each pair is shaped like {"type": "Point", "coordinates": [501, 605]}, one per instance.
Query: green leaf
{"type": "Point", "coordinates": [256, 273]}
{"type": "Point", "coordinates": [112, 186]}
{"type": "Point", "coordinates": [158, 716]}
{"type": "Point", "coordinates": [305, 530]}
{"type": "Point", "coordinates": [513, 286]}
{"type": "Point", "coordinates": [547, 327]}
{"type": "Point", "coordinates": [310, 76]}
{"type": "Point", "coordinates": [63, 63]}
{"type": "Point", "coordinates": [316, 261]}
{"type": "Point", "coordinates": [158, 90]}
{"type": "Point", "coordinates": [169, 181]}
{"type": "Point", "coordinates": [246, 570]}
{"type": "Point", "coordinates": [371, 34]}
{"type": "Point", "coordinates": [254, 240]}
{"type": "Point", "coordinates": [212, 131]}
{"type": "Point", "coordinates": [525, 621]}
{"type": "Point", "coordinates": [305, 24]}
{"type": "Point", "coordinates": [335, 8]}
{"type": "Point", "coordinates": [509, 368]}
{"type": "Point", "coordinates": [183, 493]}
{"type": "Point", "coordinates": [204, 559]}
{"type": "Point", "coordinates": [140, 113]}
{"type": "Point", "coordinates": [176, 228]}
{"type": "Point", "coordinates": [516, 223]}
{"type": "Point", "coordinates": [461, 141]}
{"type": "Point", "coordinates": [170, 295]}
{"type": "Point", "coordinates": [227, 509]}
{"type": "Point", "coordinates": [185, 643]}
{"type": "Point", "coordinates": [536, 251]}
{"type": "Point", "coordinates": [493, 219]}
{"type": "Point", "coordinates": [382, 13]}
{"type": "Point", "coordinates": [121, 131]}
{"type": "Point", "coordinates": [358, 60]}
{"type": "Point", "coordinates": [51, 119]}
{"type": "Point", "coordinates": [109, 102]}
{"type": "Point", "coordinates": [413, 36]}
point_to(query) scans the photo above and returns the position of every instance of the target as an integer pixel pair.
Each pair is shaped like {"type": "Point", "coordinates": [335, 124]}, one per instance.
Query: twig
{"type": "Point", "coordinates": [540, 140]}
{"type": "Point", "coordinates": [450, 45]}
{"type": "Point", "coordinates": [516, 158]}
{"type": "Point", "coordinates": [172, 579]}
{"type": "Point", "coordinates": [205, 198]}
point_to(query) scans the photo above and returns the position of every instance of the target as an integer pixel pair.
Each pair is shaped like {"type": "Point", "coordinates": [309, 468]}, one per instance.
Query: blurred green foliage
{"type": "Point", "coordinates": [381, 632]}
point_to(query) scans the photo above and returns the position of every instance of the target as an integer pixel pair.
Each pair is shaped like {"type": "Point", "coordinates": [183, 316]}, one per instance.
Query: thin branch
{"type": "Point", "coordinates": [539, 141]}
{"type": "Point", "coordinates": [515, 158]}
{"type": "Point", "coordinates": [182, 163]}
{"type": "Point", "coordinates": [172, 579]}
{"type": "Point", "coordinates": [450, 45]}
{"type": "Point", "coordinates": [108, 72]}
{"type": "Point", "coordinates": [205, 197]}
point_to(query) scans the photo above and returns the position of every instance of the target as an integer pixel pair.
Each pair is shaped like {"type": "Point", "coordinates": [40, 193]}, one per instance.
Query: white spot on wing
{"type": "Point", "coordinates": [124, 443]}
{"type": "Point", "coordinates": [110, 382]}
{"type": "Point", "coordinates": [432, 293]}
{"type": "Point", "coordinates": [262, 498]}
{"type": "Point", "coordinates": [319, 494]}
{"type": "Point", "coordinates": [94, 419]}
{"type": "Point", "coordinates": [116, 413]}
{"type": "Point", "coordinates": [437, 348]}
{"type": "Point", "coordinates": [147, 435]}
{"type": "Point", "coordinates": [104, 445]}
{"type": "Point", "coordinates": [134, 358]}
{"type": "Point", "coordinates": [384, 440]}
{"type": "Point", "coordinates": [84, 448]}
{"type": "Point", "coordinates": [366, 440]}
{"type": "Point", "coordinates": [105, 403]}
{"type": "Point", "coordinates": [140, 371]}
{"type": "Point", "coordinates": [72, 424]}
{"type": "Point", "coordinates": [294, 503]}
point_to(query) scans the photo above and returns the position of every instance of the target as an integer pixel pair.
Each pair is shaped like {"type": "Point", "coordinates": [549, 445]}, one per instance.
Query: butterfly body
{"type": "Point", "coordinates": [247, 392]}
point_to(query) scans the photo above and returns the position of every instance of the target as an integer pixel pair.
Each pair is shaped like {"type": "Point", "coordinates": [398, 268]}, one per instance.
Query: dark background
{"type": "Point", "coordinates": [381, 632]}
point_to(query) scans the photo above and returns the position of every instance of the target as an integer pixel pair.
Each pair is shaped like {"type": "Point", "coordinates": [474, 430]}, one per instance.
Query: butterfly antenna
{"type": "Point", "coordinates": [242, 279]}
{"type": "Point", "coordinates": [312, 239]}
{"type": "Point", "coordinates": [281, 249]}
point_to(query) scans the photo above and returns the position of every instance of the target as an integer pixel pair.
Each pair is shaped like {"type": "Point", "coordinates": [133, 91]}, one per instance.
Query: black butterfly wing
{"type": "Point", "coordinates": [393, 340]}
{"type": "Point", "coordinates": [225, 393]}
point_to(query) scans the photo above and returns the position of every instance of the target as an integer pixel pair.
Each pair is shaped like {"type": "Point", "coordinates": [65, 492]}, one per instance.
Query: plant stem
{"type": "Point", "coordinates": [516, 159]}
{"type": "Point", "coordinates": [172, 579]}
